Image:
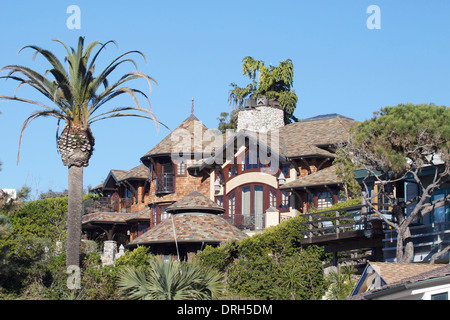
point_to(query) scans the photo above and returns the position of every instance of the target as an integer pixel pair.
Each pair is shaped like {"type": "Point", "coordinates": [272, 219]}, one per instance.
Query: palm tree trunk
{"type": "Point", "coordinates": [75, 208]}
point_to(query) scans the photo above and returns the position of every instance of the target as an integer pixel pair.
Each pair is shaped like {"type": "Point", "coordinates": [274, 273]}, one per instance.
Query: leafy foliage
{"type": "Point", "coordinates": [272, 82]}
{"type": "Point", "coordinates": [294, 277]}
{"type": "Point", "coordinates": [342, 282]}
{"type": "Point", "coordinates": [399, 143]}
{"type": "Point", "coordinates": [136, 258]}
{"type": "Point", "coordinates": [414, 132]}
{"type": "Point", "coordinates": [98, 282]}
{"type": "Point", "coordinates": [345, 170]}
{"type": "Point", "coordinates": [272, 264]}
{"type": "Point", "coordinates": [226, 123]}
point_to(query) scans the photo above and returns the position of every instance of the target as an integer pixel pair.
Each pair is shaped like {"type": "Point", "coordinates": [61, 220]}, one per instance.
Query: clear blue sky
{"type": "Point", "coordinates": [195, 48]}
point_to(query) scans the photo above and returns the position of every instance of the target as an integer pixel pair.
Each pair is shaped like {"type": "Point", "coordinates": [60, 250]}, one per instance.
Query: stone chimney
{"type": "Point", "coordinates": [260, 115]}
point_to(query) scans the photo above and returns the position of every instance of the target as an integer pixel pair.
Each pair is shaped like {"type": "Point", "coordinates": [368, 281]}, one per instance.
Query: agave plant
{"type": "Point", "coordinates": [170, 280]}
{"type": "Point", "coordinates": [77, 97]}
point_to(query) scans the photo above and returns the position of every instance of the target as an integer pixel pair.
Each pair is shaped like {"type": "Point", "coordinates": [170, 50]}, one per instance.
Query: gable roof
{"type": "Point", "coordinates": [235, 142]}
{"type": "Point", "coordinates": [115, 217]}
{"type": "Point", "coordinates": [305, 138]}
{"type": "Point", "coordinates": [391, 274]}
{"type": "Point", "coordinates": [139, 172]}
{"type": "Point", "coordinates": [209, 228]}
{"type": "Point", "coordinates": [195, 201]}
{"type": "Point", "coordinates": [176, 142]}
{"type": "Point", "coordinates": [310, 137]}
{"type": "Point", "coordinates": [440, 273]}
{"type": "Point", "coordinates": [104, 217]}
{"type": "Point", "coordinates": [322, 177]}
{"type": "Point", "coordinates": [116, 176]}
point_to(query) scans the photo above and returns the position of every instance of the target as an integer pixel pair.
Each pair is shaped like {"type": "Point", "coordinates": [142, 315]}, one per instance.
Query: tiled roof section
{"type": "Point", "coordinates": [138, 172]}
{"type": "Point", "coordinates": [105, 217]}
{"type": "Point", "coordinates": [195, 201]}
{"type": "Point", "coordinates": [98, 187]}
{"type": "Point", "coordinates": [394, 272]}
{"type": "Point", "coordinates": [176, 141]}
{"type": "Point", "coordinates": [304, 138]}
{"type": "Point", "coordinates": [438, 271]}
{"type": "Point", "coordinates": [144, 214]}
{"type": "Point", "coordinates": [322, 177]}
{"type": "Point", "coordinates": [119, 174]}
{"type": "Point", "coordinates": [191, 228]}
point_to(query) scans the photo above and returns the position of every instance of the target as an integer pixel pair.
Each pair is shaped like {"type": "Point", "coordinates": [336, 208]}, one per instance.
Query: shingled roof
{"type": "Point", "coordinates": [105, 217]}
{"type": "Point", "coordinates": [305, 138]}
{"type": "Point", "coordinates": [195, 219]}
{"type": "Point", "coordinates": [322, 177]}
{"type": "Point", "coordinates": [115, 217]}
{"type": "Point", "coordinates": [138, 172]}
{"type": "Point", "coordinates": [176, 142]}
{"type": "Point", "coordinates": [396, 274]}
{"type": "Point", "coordinates": [195, 201]}
{"type": "Point", "coordinates": [209, 228]}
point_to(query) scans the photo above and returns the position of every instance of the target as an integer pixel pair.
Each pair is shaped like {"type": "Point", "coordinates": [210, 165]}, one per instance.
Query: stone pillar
{"type": "Point", "coordinates": [272, 217]}
{"type": "Point", "coordinates": [109, 252]}
{"type": "Point", "coordinates": [121, 251]}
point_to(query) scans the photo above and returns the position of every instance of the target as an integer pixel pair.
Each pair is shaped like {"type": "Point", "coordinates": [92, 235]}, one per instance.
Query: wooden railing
{"type": "Point", "coordinates": [342, 220]}
{"type": "Point", "coordinates": [247, 222]}
{"type": "Point", "coordinates": [105, 204]}
{"type": "Point", "coordinates": [102, 204]}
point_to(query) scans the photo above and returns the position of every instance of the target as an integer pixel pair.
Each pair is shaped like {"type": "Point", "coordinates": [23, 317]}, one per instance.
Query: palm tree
{"type": "Point", "coordinates": [170, 280]}
{"type": "Point", "coordinates": [78, 98]}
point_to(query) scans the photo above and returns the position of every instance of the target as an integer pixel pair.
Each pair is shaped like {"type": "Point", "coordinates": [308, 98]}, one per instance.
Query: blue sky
{"type": "Point", "coordinates": [195, 49]}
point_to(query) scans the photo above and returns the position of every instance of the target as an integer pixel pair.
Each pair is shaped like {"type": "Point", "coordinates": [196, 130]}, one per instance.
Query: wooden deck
{"type": "Point", "coordinates": [351, 228]}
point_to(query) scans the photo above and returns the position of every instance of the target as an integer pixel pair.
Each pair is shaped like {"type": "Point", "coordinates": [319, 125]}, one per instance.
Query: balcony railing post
{"type": "Point", "coordinates": [337, 222]}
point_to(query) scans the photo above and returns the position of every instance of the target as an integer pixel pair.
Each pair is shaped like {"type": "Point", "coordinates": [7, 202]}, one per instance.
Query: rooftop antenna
{"type": "Point", "coordinates": [192, 108]}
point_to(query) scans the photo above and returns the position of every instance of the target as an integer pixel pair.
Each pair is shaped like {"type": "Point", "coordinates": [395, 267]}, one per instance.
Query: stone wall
{"type": "Point", "coordinates": [260, 119]}
{"type": "Point", "coordinates": [110, 253]}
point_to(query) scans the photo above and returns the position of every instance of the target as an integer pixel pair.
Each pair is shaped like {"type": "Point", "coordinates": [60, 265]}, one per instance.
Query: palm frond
{"type": "Point", "coordinates": [133, 283]}
{"type": "Point", "coordinates": [54, 113]}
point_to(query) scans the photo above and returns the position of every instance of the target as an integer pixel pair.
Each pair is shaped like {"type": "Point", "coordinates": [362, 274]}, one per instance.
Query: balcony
{"type": "Point", "coordinates": [102, 204]}
{"type": "Point", "coordinates": [164, 184]}
{"type": "Point", "coordinates": [105, 204]}
{"type": "Point", "coordinates": [247, 222]}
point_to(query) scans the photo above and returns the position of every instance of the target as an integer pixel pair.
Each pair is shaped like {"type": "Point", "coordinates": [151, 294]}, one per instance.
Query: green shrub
{"type": "Point", "coordinates": [98, 282]}
{"type": "Point", "coordinates": [138, 257]}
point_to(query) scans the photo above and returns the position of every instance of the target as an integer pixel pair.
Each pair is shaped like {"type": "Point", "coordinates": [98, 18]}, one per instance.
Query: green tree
{"type": "Point", "coordinates": [398, 143]}
{"type": "Point", "coordinates": [342, 282]}
{"type": "Point", "coordinates": [272, 82]}
{"type": "Point", "coordinates": [5, 225]}
{"type": "Point", "coordinates": [77, 97]}
{"type": "Point", "coordinates": [228, 121]}
{"type": "Point", "coordinates": [135, 258]}
{"type": "Point", "coordinates": [345, 169]}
